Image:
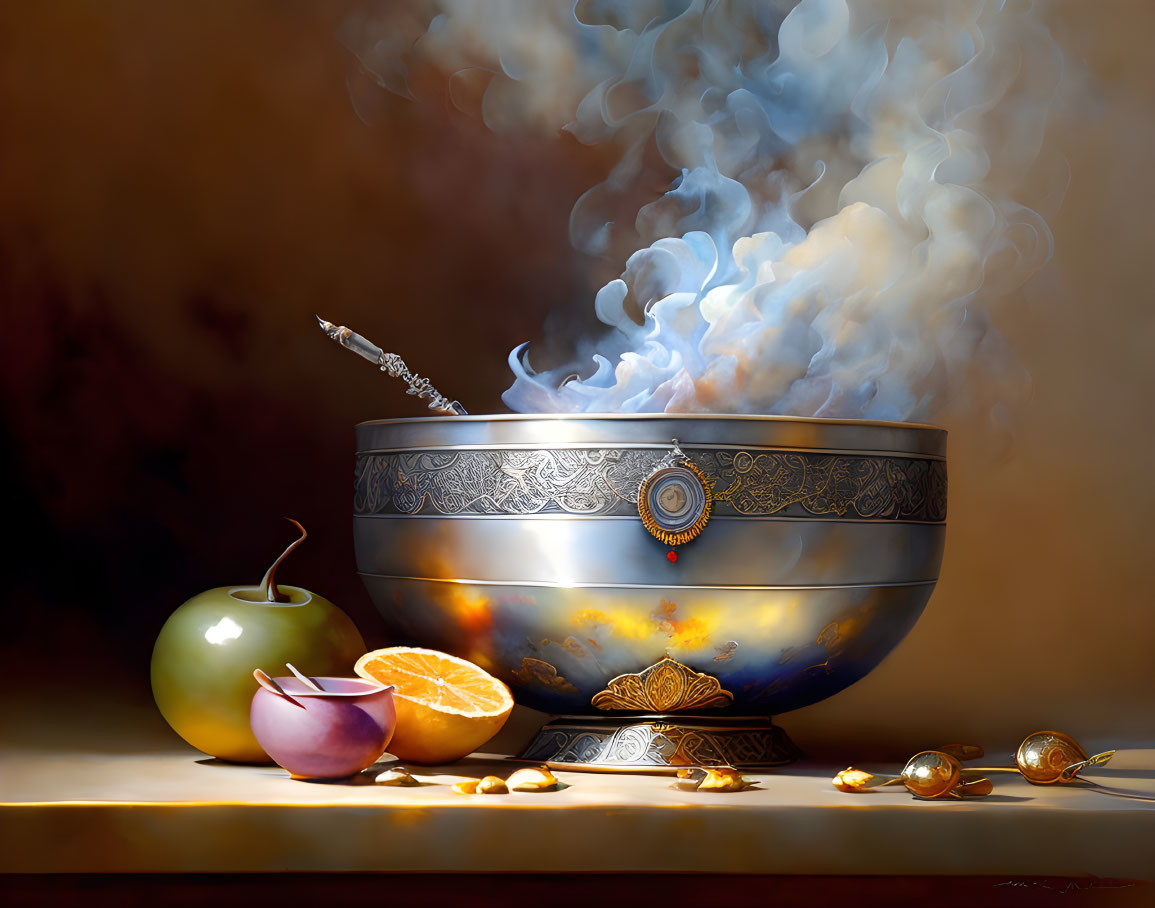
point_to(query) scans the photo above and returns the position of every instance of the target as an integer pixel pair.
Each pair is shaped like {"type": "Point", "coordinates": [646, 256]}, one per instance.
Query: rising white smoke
{"type": "Point", "coordinates": [847, 197]}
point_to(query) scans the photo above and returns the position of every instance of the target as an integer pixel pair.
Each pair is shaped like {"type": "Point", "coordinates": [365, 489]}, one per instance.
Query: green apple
{"type": "Point", "coordinates": [203, 660]}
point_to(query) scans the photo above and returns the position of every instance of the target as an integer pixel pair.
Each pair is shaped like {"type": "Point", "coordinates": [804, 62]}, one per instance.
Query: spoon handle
{"type": "Point", "coordinates": [304, 679]}
{"type": "Point", "coordinates": [1069, 773]}
{"type": "Point", "coordinates": [273, 687]}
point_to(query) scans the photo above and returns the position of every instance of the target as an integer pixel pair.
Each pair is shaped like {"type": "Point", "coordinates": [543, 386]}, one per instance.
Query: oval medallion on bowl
{"type": "Point", "coordinates": [674, 503]}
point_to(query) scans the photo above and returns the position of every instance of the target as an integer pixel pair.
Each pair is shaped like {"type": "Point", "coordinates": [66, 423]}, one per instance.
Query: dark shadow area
{"type": "Point", "coordinates": [562, 890]}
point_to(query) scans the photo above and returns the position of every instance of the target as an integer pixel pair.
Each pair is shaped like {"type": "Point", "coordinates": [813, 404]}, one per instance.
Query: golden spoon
{"type": "Point", "coordinates": [927, 775]}
{"type": "Point", "coordinates": [1046, 757]}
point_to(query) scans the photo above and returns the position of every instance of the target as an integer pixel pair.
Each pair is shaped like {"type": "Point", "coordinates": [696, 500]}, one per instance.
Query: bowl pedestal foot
{"type": "Point", "coordinates": [659, 743]}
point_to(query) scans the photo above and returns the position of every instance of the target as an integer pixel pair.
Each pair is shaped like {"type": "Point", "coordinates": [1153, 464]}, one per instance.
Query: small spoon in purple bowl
{"type": "Point", "coordinates": [273, 687]}
{"type": "Point", "coordinates": [304, 679]}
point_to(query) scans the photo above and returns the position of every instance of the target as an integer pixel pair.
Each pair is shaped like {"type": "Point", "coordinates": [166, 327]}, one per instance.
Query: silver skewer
{"type": "Point", "coordinates": [392, 364]}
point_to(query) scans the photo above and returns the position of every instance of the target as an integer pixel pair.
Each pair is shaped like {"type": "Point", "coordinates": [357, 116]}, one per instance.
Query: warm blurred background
{"type": "Point", "coordinates": [183, 185]}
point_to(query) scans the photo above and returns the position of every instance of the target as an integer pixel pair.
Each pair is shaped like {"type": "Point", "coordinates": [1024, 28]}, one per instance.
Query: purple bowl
{"type": "Point", "coordinates": [329, 735]}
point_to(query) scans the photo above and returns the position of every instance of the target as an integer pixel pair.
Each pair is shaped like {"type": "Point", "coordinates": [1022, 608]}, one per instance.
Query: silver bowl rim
{"type": "Point", "coordinates": [634, 417]}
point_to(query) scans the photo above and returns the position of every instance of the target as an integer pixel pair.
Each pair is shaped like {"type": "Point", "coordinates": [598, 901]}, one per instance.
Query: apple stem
{"type": "Point", "coordinates": [269, 590]}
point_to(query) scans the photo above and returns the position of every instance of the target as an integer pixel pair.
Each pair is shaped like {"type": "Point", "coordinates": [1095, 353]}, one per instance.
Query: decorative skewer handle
{"type": "Point", "coordinates": [394, 365]}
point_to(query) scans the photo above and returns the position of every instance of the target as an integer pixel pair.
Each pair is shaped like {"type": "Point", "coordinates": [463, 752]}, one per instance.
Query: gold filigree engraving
{"type": "Point", "coordinates": [666, 687]}
{"type": "Point", "coordinates": [538, 671]}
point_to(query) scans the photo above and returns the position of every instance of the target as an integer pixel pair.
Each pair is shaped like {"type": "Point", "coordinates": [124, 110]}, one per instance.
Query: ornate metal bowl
{"type": "Point", "coordinates": [519, 542]}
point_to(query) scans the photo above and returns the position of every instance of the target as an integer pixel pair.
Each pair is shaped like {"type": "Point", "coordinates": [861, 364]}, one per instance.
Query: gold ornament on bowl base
{"type": "Point", "coordinates": [667, 732]}
{"type": "Point", "coordinates": [665, 687]}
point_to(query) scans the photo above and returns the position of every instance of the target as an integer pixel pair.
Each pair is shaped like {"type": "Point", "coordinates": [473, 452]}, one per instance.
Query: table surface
{"type": "Point", "coordinates": [163, 807]}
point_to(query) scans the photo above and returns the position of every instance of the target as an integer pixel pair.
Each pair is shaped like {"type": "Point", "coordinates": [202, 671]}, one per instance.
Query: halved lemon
{"type": "Point", "coordinates": [446, 707]}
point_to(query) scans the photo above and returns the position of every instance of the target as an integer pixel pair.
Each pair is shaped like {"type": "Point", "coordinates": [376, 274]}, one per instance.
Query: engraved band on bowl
{"type": "Point", "coordinates": [606, 481]}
